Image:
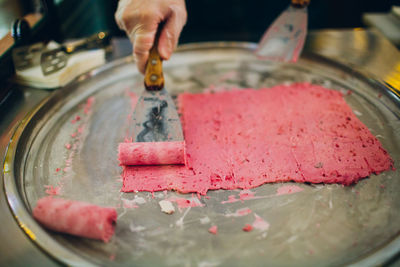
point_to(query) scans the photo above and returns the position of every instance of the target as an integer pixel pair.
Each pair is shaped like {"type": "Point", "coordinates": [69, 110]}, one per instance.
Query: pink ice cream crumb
{"type": "Point", "coordinates": [239, 213]}
{"type": "Point", "coordinates": [68, 146]}
{"type": "Point", "coordinates": [52, 190]}
{"type": "Point", "coordinates": [88, 105]}
{"type": "Point", "coordinates": [213, 229]}
{"type": "Point", "coordinates": [247, 228]}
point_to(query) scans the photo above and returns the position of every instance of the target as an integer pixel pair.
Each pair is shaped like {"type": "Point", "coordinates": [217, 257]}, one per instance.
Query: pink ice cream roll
{"type": "Point", "coordinates": [151, 153]}
{"type": "Point", "coordinates": [76, 218]}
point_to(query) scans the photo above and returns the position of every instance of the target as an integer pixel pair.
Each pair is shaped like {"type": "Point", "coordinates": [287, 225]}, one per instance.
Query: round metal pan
{"type": "Point", "coordinates": [321, 225]}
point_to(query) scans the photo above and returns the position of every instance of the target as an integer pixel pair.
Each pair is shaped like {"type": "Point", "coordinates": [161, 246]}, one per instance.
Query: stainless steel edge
{"type": "Point", "coordinates": [19, 210]}
{"type": "Point", "coordinates": [29, 226]}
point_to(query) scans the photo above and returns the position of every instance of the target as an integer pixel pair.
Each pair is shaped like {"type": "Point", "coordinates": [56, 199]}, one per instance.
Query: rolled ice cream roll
{"type": "Point", "coordinates": [76, 218]}
{"type": "Point", "coordinates": [151, 153]}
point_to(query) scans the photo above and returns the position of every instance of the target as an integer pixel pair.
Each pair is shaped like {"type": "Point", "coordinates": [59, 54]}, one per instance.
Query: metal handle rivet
{"type": "Point", "coordinates": [154, 61]}
{"type": "Point", "coordinates": [153, 77]}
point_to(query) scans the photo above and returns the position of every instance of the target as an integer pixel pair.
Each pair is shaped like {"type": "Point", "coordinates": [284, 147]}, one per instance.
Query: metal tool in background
{"type": "Point", "coordinates": [156, 118]}
{"type": "Point", "coordinates": [24, 55]}
{"type": "Point", "coordinates": [53, 60]}
{"type": "Point", "coordinates": [284, 39]}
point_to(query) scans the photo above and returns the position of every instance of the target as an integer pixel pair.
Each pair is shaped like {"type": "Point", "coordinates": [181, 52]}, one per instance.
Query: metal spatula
{"type": "Point", "coordinates": [284, 39]}
{"type": "Point", "coordinates": [54, 60]}
{"type": "Point", "coordinates": [155, 116]}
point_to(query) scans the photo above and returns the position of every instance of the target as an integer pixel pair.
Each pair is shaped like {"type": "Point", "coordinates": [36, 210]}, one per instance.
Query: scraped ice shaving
{"type": "Point", "coordinates": [260, 224]}
{"type": "Point", "coordinates": [166, 206]}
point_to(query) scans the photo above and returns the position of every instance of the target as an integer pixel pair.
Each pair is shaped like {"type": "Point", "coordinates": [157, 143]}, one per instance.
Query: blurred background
{"type": "Point", "coordinates": [241, 20]}
{"type": "Point", "coordinates": [208, 20]}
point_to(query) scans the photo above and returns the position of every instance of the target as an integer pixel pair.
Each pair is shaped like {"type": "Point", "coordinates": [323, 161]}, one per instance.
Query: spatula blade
{"type": "Point", "coordinates": [284, 39]}
{"type": "Point", "coordinates": [156, 118]}
{"type": "Point", "coordinates": [53, 60]}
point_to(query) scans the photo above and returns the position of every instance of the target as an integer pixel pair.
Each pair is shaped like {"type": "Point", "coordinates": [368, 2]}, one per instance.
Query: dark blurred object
{"type": "Point", "coordinates": [387, 23]}
{"type": "Point", "coordinates": [79, 19]}
{"type": "Point", "coordinates": [246, 20]}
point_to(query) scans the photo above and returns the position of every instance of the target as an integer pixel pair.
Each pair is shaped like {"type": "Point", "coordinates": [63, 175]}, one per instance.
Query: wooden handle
{"type": "Point", "coordinates": [153, 77]}
{"type": "Point", "coordinates": [300, 3]}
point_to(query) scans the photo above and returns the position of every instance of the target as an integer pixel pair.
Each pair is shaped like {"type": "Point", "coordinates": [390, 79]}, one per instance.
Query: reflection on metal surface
{"type": "Point", "coordinates": [26, 229]}
{"type": "Point", "coordinates": [335, 218]}
{"type": "Point", "coordinates": [364, 50]}
{"type": "Point", "coordinates": [393, 79]}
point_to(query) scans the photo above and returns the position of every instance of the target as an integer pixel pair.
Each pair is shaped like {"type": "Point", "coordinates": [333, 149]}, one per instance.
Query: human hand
{"type": "Point", "coordinates": [140, 19]}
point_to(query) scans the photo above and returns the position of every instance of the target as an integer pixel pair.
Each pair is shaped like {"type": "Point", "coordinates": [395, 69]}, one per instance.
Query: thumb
{"type": "Point", "coordinates": [142, 39]}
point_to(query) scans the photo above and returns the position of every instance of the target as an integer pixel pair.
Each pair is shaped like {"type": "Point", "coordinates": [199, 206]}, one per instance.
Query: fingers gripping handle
{"type": "Point", "coordinates": [153, 77]}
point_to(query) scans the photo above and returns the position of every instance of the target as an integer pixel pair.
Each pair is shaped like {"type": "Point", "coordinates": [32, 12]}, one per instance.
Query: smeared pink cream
{"type": "Point", "coordinates": [52, 190]}
{"type": "Point", "coordinates": [239, 213]}
{"type": "Point", "coordinates": [185, 203]}
{"type": "Point", "coordinates": [231, 199]}
{"type": "Point", "coordinates": [288, 189]}
{"type": "Point", "coordinates": [77, 118]}
{"type": "Point", "coordinates": [246, 195]}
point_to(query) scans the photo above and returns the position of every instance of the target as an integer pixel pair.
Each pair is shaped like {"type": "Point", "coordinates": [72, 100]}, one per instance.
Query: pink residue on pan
{"type": "Point", "coordinates": [213, 230]}
{"type": "Point", "coordinates": [129, 204]}
{"type": "Point", "coordinates": [77, 118]}
{"type": "Point", "coordinates": [231, 199]}
{"type": "Point", "coordinates": [246, 195]}
{"type": "Point", "coordinates": [239, 213]}
{"type": "Point", "coordinates": [52, 190]}
{"type": "Point", "coordinates": [186, 203]}
{"type": "Point", "coordinates": [73, 147]}
{"type": "Point", "coordinates": [260, 224]}
{"type": "Point", "coordinates": [88, 106]}
{"type": "Point", "coordinates": [247, 228]}
{"type": "Point", "coordinates": [288, 189]}
{"type": "Point", "coordinates": [243, 195]}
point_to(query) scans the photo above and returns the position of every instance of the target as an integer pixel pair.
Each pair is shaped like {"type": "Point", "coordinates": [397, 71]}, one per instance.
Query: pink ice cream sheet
{"type": "Point", "coordinates": [245, 138]}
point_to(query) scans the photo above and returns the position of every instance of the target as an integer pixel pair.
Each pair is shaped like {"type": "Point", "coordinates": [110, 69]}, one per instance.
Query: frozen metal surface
{"type": "Point", "coordinates": [323, 224]}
